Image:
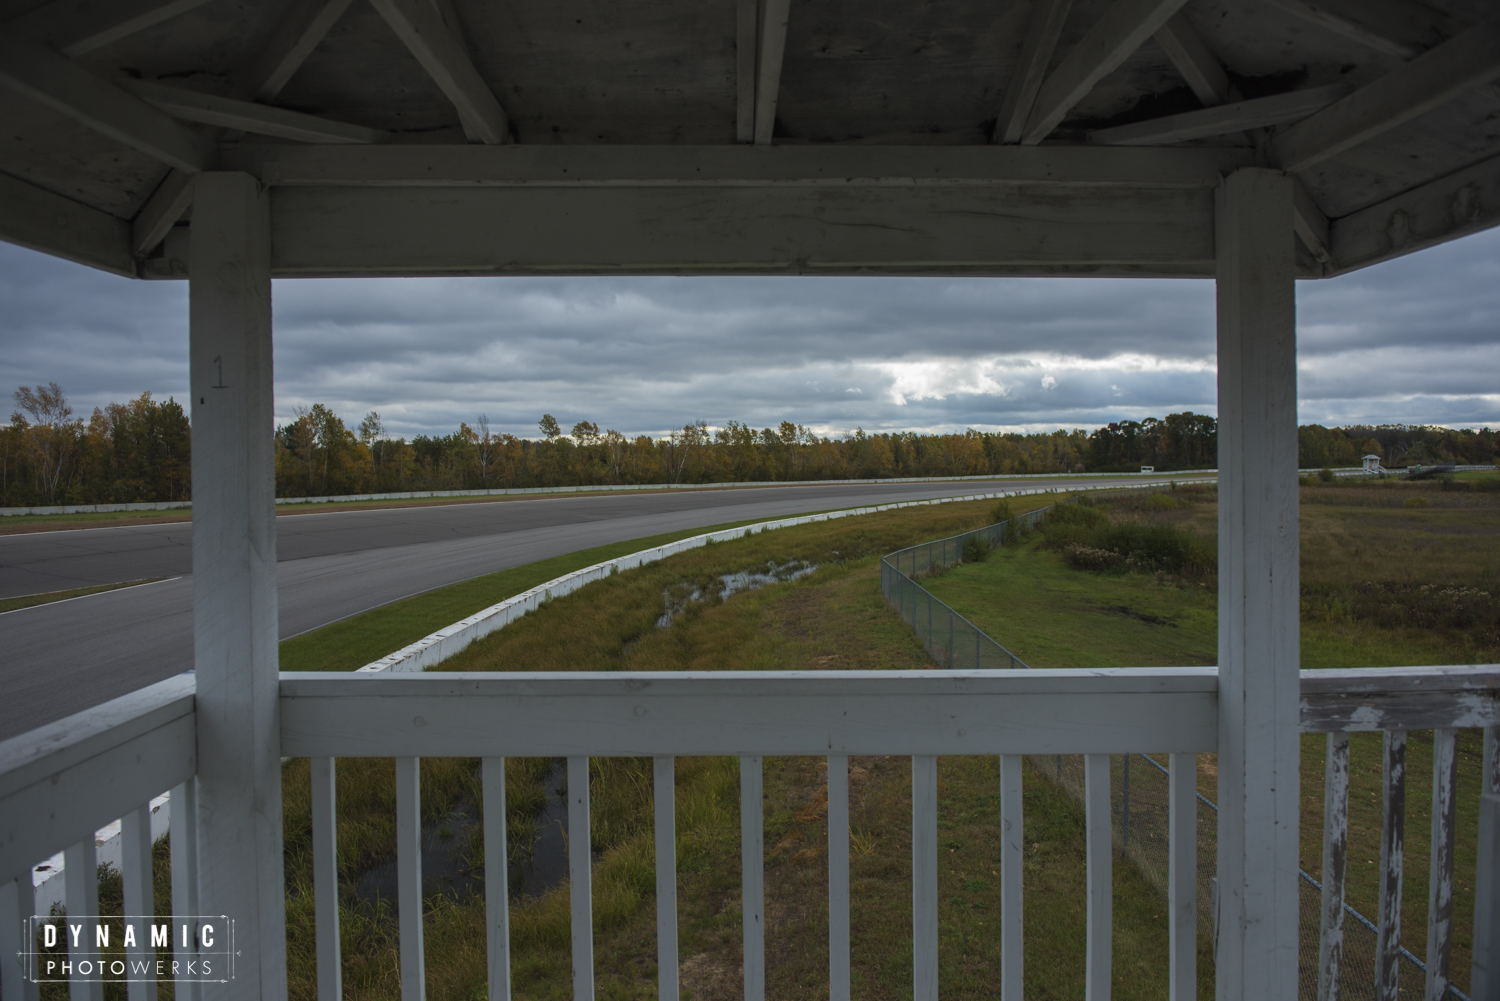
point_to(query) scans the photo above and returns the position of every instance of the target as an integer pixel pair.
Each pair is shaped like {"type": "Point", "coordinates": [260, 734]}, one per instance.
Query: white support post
{"type": "Point", "coordinates": [1485, 974]}
{"type": "Point", "coordinates": [1392, 862]}
{"type": "Point", "coordinates": [581, 878]}
{"type": "Point", "coordinates": [234, 579]}
{"type": "Point", "coordinates": [838, 877]}
{"type": "Point", "coordinates": [17, 901]}
{"type": "Point", "coordinates": [81, 897]}
{"type": "Point", "coordinates": [135, 882]}
{"type": "Point", "coordinates": [496, 879]}
{"type": "Point", "coordinates": [409, 878]}
{"type": "Point", "coordinates": [753, 874]}
{"type": "Point", "coordinates": [1012, 865]}
{"type": "Point", "coordinates": [1182, 876]}
{"type": "Point", "coordinates": [183, 831]}
{"type": "Point", "coordinates": [1440, 871]}
{"type": "Point", "coordinates": [665, 795]}
{"type": "Point", "coordinates": [325, 853]}
{"type": "Point", "coordinates": [924, 877]}
{"type": "Point", "coordinates": [1335, 858]}
{"type": "Point", "coordinates": [1259, 743]}
{"type": "Point", "coordinates": [1099, 859]}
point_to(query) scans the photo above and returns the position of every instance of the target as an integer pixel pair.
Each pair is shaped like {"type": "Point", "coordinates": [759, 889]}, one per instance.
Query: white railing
{"type": "Point", "coordinates": [62, 782]}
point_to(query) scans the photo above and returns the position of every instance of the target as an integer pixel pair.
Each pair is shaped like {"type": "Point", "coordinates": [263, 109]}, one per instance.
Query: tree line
{"type": "Point", "coordinates": [139, 451]}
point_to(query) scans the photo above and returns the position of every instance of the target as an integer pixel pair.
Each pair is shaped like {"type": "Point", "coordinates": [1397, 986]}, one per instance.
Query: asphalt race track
{"type": "Point", "coordinates": [62, 657]}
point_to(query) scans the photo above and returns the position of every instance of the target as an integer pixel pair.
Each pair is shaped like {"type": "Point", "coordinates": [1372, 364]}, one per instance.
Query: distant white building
{"type": "Point", "coordinates": [1372, 463]}
{"type": "Point", "coordinates": [1148, 469]}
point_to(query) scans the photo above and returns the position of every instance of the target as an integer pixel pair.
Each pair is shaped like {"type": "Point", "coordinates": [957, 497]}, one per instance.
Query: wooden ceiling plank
{"type": "Point", "coordinates": [306, 25]}
{"type": "Point", "coordinates": [61, 84]}
{"type": "Point", "coordinates": [160, 213]}
{"type": "Point", "coordinates": [420, 26]}
{"type": "Point", "coordinates": [1222, 119]}
{"type": "Point", "coordinates": [41, 220]}
{"type": "Point", "coordinates": [1042, 32]}
{"type": "Point", "coordinates": [1112, 40]}
{"type": "Point", "coordinates": [746, 31]}
{"type": "Point", "coordinates": [1396, 27]}
{"type": "Point", "coordinates": [75, 27]}
{"type": "Point", "coordinates": [1195, 61]}
{"type": "Point", "coordinates": [1440, 74]}
{"type": "Point", "coordinates": [772, 50]}
{"type": "Point", "coordinates": [247, 116]}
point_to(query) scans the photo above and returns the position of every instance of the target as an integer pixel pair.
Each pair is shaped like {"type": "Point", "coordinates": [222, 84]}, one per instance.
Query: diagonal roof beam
{"type": "Point", "coordinates": [299, 33]}
{"type": "Point", "coordinates": [772, 49]}
{"type": "Point", "coordinates": [1042, 31]}
{"type": "Point", "coordinates": [1112, 40]}
{"type": "Point", "coordinates": [1437, 76]}
{"type": "Point", "coordinates": [419, 24]}
{"type": "Point", "coordinates": [74, 27]}
{"type": "Point", "coordinates": [61, 84]}
{"type": "Point", "coordinates": [1398, 28]}
{"type": "Point", "coordinates": [746, 36]}
{"type": "Point", "coordinates": [262, 119]}
{"type": "Point", "coordinates": [1222, 119]}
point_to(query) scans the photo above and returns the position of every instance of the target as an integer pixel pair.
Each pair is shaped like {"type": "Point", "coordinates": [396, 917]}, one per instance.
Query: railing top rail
{"type": "Point", "coordinates": [1351, 680]}
{"type": "Point", "coordinates": [1400, 698]}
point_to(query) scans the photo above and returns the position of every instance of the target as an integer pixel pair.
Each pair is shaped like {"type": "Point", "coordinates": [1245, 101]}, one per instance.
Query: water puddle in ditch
{"type": "Point", "coordinates": [679, 597]}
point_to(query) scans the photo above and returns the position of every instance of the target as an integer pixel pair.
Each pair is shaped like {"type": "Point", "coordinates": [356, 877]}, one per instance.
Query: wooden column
{"type": "Point", "coordinates": [1258, 590]}
{"type": "Point", "coordinates": [234, 579]}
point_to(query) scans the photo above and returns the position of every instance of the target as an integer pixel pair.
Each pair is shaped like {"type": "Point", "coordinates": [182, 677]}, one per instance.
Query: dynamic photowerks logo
{"type": "Point", "coordinates": [116, 949]}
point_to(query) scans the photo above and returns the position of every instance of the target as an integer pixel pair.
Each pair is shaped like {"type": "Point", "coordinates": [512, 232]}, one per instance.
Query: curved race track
{"type": "Point", "coordinates": [65, 656]}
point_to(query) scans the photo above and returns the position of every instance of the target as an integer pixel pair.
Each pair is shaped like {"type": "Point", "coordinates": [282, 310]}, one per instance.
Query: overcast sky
{"type": "Point", "coordinates": [1416, 340]}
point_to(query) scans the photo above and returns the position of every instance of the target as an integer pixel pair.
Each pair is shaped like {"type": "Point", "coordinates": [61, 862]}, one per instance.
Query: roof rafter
{"type": "Point", "coordinates": [305, 25]}
{"type": "Point", "coordinates": [1112, 40]}
{"type": "Point", "coordinates": [420, 25]}
{"type": "Point", "coordinates": [74, 27]}
{"type": "Point", "coordinates": [746, 36]}
{"type": "Point", "coordinates": [771, 51]}
{"type": "Point", "coordinates": [1043, 29]}
{"type": "Point", "coordinates": [63, 85]}
{"type": "Point", "coordinates": [262, 119]}
{"type": "Point", "coordinates": [1437, 76]}
{"type": "Point", "coordinates": [41, 220]}
{"type": "Point", "coordinates": [1222, 119]}
{"type": "Point", "coordinates": [160, 213]}
{"type": "Point", "coordinates": [1396, 27]}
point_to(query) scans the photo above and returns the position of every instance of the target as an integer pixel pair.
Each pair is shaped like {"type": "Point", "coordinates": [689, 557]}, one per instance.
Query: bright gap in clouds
{"type": "Point", "coordinates": [1414, 340]}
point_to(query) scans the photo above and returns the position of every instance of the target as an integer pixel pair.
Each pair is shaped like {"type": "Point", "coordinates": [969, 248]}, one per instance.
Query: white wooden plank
{"type": "Point", "coordinates": [1398, 28]}
{"type": "Point", "coordinates": [1392, 850]}
{"type": "Point", "coordinates": [898, 712]}
{"type": "Point", "coordinates": [753, 874]}
{"type": "Point", "coordinates": [1012, 879]}
{"type": "Point", "coordinates": [1485, 973]}
{"type": "Point", "coordinates": [496, 880]}
{"type": "Point", "coordinates": [76, 27]}
{"type": "Point", "coordinates": [161, 212]}
{"type": "Point", "coordinates": [1193, 59]}
{"type": "Point", "coordinates": [304, 26]}
{"type": "Point", "coordinates": [1099, 859]}
{"type": "Point", "coordinates": [1440, 871]}
{"type": "Point", "coordinates": [1043, 28]}
{"type": "Point", "coordinates": [409, 878]}
{"type": "Point", "coordinates": [137, 892]}
{"type": "Point", "coordinates": [1432, 79]}
{"type": "Point", "coordinates": [81, 895]}
{"type": "Point", "coordinates": [1112, 40]}
{"type": "Point", "coordinates": [924, 877]}
{"type": "Point", "coordinates": [1335, 858]}
{"type": "Point", "coordinates": [664, 774]}
{"type": "Point", "coordinates": [1259, 745]}
{"type": "Point", "coordinates": [1182, 877]}
{"type": "Point", "coordinates": [442, 55]}
{"type": "Point", "coordinates": [40, 220]}
{"type": "Point", "coordinates": [325, 859]}
{"type": "Point", "coordinates": [838, 877]}
{"type": "Point", "coordinates": [17, 905]}
{"type": "Point", "coordinates": [248, 116]}
{"type": "Point", "coordinates": [746, 33]}
{"type": "Point", "coordinates": [1223, 119]}
{"type": "Point", "coordinates": [580, 878]}
{"type": "Point", "coordinates": [771, 50]}
{"type": "Point", "coordinates": [183, 834]}
{"type": "Point", "coordinates": [62, 85]}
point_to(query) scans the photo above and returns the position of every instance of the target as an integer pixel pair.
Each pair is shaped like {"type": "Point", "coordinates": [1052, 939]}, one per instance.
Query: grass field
{"type": "Point", "coordinates": [46, 597]}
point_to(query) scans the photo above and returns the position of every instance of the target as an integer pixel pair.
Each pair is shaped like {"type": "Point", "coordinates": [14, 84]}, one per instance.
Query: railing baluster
{"type": "Point", "coordinates": [183, 827]}
{"type": "Point", "coordinates": [409, 877]}
{"type": "Point", "coordinates": [1182, 876]}
{"type": "Point", "coordinates": [924, 877]}
{"type": "Point", "coordinates": [1335, 857]}
{"type": "Point", "coordinates": [135, 882]}
{"type": "Point", "coordinates": [1440, 873]}
{"type": "Point", "coordinates": [838, 877]}
{"type": "Point", "coordinates": [753, 874]}
{"type": "Point", "coordinates": [665, 775]}
{"type": "Point", "coordinates": [496, 879]}
{"type": "Point", "coordinates": [1491, 778]}
{"type": "Point", "coordinates": [17, 902]}
{"type": "Point", "coordinates": [1392, 846]}
{"type": "Point", "coordinates": [81, 895]}
{"type": "Point", "coordinates": [325, 859]}
{"type": "Point", "coordinates": [1100, 892]}
{"type": "Point", "coordinates": [581, 878]}
{"type": "Point", "coordinates": [1485, 973]}
{"type": "Point", "coordinates": [1012, 864]}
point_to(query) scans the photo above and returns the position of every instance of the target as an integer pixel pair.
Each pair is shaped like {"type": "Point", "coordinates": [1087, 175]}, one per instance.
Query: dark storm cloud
{"type": "Point", "coordinates": [1412, 340]}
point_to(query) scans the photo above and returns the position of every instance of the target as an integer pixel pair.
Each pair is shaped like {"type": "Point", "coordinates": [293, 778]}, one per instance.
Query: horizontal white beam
{"type": "Point", "coordinates": [248, 116]}
{"type": "Point", "coordinates": [1407, 698]}
{"type": "Point", "coordinates": [38, 219]}
{"type": "Point", "coordinates": [731, 712]}
{"type": "Point", "coordinates": [1398, 28]}
{"type": "Point", "coordinates": [733, 166]}
{"type": "Point", "coordinates": [1112, 40]}
{"type": "Point", "coordinates": [44, 76]}
{"type": "Point", "coordinates": [74, 27]}
{"type": "Point", "coordinates": [958, 229]}
{"type": "Point", "coordinates": [420, 25]}
{"type": "Point", "coordinates": [1223, 119]}
{"type": "Point", "coordinates": [1432, 79]}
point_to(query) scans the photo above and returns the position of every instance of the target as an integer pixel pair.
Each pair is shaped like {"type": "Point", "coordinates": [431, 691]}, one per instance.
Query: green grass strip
{"type": "Point", "coordinates": [29, 600]}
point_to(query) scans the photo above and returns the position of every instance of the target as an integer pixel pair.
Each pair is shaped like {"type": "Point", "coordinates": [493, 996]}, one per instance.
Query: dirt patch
{"type": "Point", "coordinates": [708, 978]}
{"type": "Point", "coordinates": [1155, 620]}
